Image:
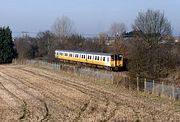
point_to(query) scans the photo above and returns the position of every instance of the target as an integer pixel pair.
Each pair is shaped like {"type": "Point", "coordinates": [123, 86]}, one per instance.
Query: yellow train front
{"type": "Point", "coordinates": [106, 60]}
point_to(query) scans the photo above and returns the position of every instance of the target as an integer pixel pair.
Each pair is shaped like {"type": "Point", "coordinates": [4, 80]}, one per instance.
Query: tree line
{"type": "Point", "coordinates": [149, 47]}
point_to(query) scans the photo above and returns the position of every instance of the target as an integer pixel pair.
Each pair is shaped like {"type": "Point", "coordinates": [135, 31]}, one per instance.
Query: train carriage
{"type": "Point", "coordinates": [107, 60]}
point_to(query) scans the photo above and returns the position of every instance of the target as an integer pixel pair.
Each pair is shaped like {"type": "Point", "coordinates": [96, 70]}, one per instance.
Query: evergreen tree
{"type": "Point", "coordinates": [6, 45]}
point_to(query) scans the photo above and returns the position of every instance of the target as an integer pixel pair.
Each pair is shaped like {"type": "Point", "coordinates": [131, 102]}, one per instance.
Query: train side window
{"type": "Point", "coordinates": [103, 58]}
{"type": "Point", "coordinates": [98, 58]}
{"type": "Point", "coordinates": [70, 55]}
{"type": "Point", "coordinates": [66, 54]}
{"type": "Point", "coordinates": [107, 59]}
{"type": "Point", "coordinates": [76, 55]}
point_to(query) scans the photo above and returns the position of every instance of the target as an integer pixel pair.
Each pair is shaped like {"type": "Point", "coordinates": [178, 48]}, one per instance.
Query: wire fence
{"type": "Point", "coordinates": [117, 78]}
{"type": "Point", "coordinates": [169, 90]}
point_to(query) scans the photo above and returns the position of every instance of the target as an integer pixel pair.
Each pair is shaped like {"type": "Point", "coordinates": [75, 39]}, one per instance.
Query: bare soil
{"type": "Point", "coordinates": [36, 95]}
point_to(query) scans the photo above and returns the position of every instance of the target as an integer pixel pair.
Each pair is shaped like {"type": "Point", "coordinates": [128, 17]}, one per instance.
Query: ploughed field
{"type": "Point", "coordinates": [38, 94]}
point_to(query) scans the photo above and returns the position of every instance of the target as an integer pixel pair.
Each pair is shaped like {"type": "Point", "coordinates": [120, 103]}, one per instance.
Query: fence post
{"type": "Point", "coordinates": [138, 83]}
{"type": "Point", "coordinates": [153, 87]}
{"type": "Point", "coordinates": [145, 85]}
{"type": "Point", "coordinates": [112, 78]}
{"type": "Point", "coordinates": [162, 88]}
{"type": "Point", "coordinates": [129, 83]}
{"type": "Point", "coordinates": [173, 90]}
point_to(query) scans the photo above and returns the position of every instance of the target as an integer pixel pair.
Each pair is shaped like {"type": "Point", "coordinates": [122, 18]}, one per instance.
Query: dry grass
{"type": "Point", "coordinates": [29, 93]}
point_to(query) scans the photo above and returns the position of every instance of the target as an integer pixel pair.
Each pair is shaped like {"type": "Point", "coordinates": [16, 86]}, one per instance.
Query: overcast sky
{"type": "Point", "coordinates": [89, 16]}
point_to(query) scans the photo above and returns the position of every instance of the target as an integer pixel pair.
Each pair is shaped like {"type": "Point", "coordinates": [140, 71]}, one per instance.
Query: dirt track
{"type": "Point", "coordinates": [33, 94]}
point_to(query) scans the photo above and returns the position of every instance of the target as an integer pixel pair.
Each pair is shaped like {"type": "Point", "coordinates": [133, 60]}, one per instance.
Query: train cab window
{"type": "Point", "coordinates": [116, 57]}
{"type": "Point", "coordinates": [119, 57]}
{"type": "Point", "coordinates": [113, 57]}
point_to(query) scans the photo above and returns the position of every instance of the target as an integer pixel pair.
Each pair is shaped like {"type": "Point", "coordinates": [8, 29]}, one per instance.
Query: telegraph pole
{"type": "Point", "coordinates": [24, 34]}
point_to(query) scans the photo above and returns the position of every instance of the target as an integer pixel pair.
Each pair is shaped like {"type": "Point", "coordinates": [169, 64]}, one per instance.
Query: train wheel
{"type": "Point", "coordinates": [115, 69]}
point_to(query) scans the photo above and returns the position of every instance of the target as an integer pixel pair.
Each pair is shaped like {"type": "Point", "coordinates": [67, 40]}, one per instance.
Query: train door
{"type": "Point", "coordinates": [114, 62]}
{"type": "Point", "coordinates": [119, 60]}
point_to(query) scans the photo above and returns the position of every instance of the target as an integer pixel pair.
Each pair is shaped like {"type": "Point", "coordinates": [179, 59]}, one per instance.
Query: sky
{"type": "Point", "coordinates": [89, 17]}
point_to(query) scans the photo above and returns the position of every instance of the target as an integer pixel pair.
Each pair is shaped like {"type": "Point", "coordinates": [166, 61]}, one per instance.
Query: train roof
{"type": "Point", "coordinates": [94, 53]}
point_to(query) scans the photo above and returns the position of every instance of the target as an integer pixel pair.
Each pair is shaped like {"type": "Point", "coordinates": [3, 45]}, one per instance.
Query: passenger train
{"type": "Point", "coordinates": [105, 60]}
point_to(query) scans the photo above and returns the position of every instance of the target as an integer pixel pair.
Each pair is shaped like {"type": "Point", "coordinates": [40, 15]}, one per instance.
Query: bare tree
{"type": "Point", "coordinates": [63, 26]}
{"type": "Point", "coordinates": [26, 47]}
{"type": "Point", "coordinates": [149, 57]}
{"type": "Point", "coordinates": [44, 41]}
{"type": "Point", "coordinates": [103, 36]}
{"type": "Point", "coordinates": [152, 27]}
{"type": "Point", "coordinates": [117, 29]}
